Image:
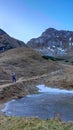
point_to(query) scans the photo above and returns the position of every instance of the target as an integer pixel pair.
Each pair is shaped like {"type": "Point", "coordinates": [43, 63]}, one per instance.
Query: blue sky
{"type": "Point", "coordinates": [26, 19]}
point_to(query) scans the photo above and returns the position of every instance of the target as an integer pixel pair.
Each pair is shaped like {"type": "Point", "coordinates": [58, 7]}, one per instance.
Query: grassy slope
{"type": "Point", "coordinates": [25, 62]}
{"type": "Point", "coordinates": [33, 124]}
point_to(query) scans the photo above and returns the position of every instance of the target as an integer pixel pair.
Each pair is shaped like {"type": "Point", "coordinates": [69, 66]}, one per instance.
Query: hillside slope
{"type": "Point", "coordinates": [25, 62]}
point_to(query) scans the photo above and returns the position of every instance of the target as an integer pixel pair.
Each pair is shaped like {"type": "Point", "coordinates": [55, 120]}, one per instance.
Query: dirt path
{"type": "Point", "coordinates": [58, 76]}
{"type": "Point", "coordinates": [28, 79]}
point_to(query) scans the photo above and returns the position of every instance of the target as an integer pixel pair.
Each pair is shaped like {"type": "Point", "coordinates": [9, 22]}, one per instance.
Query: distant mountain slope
{"type": "Point", "coordinates": [7, 42]}
{"type": "Point", "coordinates": [53, 42]}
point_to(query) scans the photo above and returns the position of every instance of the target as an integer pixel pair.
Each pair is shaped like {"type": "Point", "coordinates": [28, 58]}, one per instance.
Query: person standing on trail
{"type": "Point", "coordinates": [13, 77]}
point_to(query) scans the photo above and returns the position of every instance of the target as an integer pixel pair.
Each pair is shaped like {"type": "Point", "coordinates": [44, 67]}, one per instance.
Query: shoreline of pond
{"type": "Point", "coordinates": [44, 89]}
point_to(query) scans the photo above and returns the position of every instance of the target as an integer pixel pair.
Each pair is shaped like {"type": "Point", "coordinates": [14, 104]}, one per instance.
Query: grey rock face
{"type": "Point", "coordinates": [58, 41]}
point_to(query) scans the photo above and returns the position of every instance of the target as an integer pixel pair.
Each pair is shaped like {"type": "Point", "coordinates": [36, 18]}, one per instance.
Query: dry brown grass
{"type": "Point", "coordinates": [25, 62]}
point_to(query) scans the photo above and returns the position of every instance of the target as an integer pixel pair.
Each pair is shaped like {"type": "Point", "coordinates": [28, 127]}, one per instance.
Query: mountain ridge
{"type": "Point", "coordinates": [7, 42]}
{"type": "Point", "coordinates": [53, 40]}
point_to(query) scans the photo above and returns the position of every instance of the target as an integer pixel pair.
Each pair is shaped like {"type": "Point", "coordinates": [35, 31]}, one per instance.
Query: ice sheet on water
{"type": "Point", "coordinates": [43, 88]}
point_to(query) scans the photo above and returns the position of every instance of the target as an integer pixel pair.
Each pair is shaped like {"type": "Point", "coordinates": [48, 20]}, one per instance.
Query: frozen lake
{"type": "Point", "coordinates": [43, 105]}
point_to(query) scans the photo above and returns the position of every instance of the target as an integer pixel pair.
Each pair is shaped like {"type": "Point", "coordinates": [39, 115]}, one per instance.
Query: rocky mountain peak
{"type": "Point", "coordinates": [7, 42]}
{"type": "Point", "coordinates": [50, 30]}
{"type": "Point", "coordinates": [2, 32]}
{"type": "Point", "coordinates": [52, 38]}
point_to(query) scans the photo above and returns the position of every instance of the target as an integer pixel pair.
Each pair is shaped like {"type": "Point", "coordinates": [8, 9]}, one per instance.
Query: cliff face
{"type": "Point", "coordinates": [7, 42]}
{"type": "Point", "coordinates": [53, 41]}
